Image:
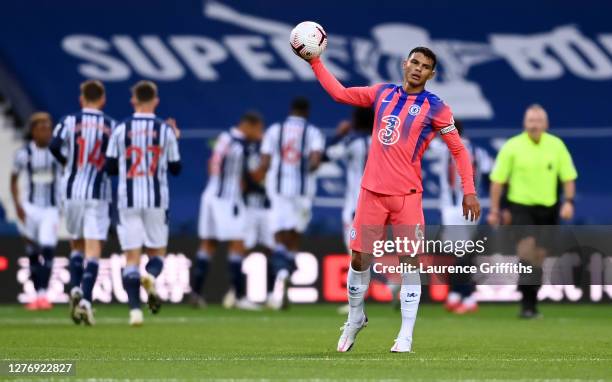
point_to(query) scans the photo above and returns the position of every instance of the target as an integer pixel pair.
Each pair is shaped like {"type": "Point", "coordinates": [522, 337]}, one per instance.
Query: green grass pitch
{"type": "Point", "coordinates": [572, 342]}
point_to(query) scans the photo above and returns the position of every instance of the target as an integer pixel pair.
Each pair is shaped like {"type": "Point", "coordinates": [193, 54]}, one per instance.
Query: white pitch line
{"type": "Point", "coordinates": [319, 359]}
{"type": "Point", "coordinates": [118, 320]}
{"type": "Point", "coordinates": [302, 380]}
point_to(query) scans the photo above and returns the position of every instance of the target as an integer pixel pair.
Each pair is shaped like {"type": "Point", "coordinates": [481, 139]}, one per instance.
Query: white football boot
{"type": "Point", "coordinates": [154, 302]}
{"type": "Point", "coordinates": [246, 304]}
{"type": "Point", "coordinates": [229, 300]}
{"type": "Point", "coordinates": [85, 311]}
{"type": "Point", "coordinates": [76, 294]}
{"type": "Point", "coordinates": [279, 298]}
{"type": "Point", "coordinates": [136, 317]}
{"type": "Point", "coordinates": [402, 345]}
{"type": "Point", "coordinates": [349, 334]}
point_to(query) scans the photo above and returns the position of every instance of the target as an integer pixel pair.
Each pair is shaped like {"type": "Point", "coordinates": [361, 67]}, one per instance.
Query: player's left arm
{"type": "Point", "coordinates": [111, 162]}
{"type": "Point", "coordinates": [357, 96]}
{"type": "Point", "coordinates": [57, 143]}
{"type": "Point", "coordinates": [568, 176]}
{"type": "Point", "coordinates": [336, 147]}
{"type": "Point", "coordinates": [173, 154]}
{"type": "Point", "coordinates": [317, 146]}
{"type": "Point", "coordinates": [443, 122]}
{"type": "Point", "coordinates": [267, 148]}
{"type": "Point", "coordinates": [172, 123]}
{"type": "Point", "coordinates": [18, 165]}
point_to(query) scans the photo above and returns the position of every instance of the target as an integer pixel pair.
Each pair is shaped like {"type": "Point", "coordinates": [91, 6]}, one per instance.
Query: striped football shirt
{"type": "Point", "coordinates": [290, 144]}
{"type": "Point", "coordinates": [43, 174]}
{"type": "Point", "coordinates": [84, 138]}
{"type": "Point", "coordinates": [143, 146]}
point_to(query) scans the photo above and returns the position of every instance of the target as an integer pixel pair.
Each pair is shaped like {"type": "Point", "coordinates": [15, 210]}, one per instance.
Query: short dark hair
{"type": "Point", "coordinates": [144, 91]}
{"type": "Point", "coordinates": [92, 90]}
{"type": "Point", "coordinates": [300, 105]}
{"type": "Point", "coordinates": [252, 117]}
{"type": "Point", "coordinates": [34, 120]}
{"type": "Point", "coordinates": [38, 117]}
{"type": "Point", "coordinates": [363, 118]}
{"type": "Point", "coordinates": [427, 53]}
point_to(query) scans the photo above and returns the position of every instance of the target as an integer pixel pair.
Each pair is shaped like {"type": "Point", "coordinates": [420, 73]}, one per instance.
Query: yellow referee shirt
{"type": "Point", "coordinates": [532, 170]}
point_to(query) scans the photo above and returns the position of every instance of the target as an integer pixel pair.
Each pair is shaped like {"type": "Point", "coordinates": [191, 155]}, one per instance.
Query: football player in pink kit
{"type": "Point", "coordinates": [407, 118]}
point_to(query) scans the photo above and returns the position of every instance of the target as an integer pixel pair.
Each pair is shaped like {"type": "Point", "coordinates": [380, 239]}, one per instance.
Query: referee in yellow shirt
{"type": "Point", "coordinates": [531, 165]}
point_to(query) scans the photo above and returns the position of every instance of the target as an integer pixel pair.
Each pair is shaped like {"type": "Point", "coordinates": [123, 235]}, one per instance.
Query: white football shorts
{"type": "Point", "coordinates": [87, 219]}
{"type": "Point", "coordinates": [221, 219]}
{"type": "Point", "coordinates": [140, 227]}
{"type": "Point", "coordinates": [41, 224]}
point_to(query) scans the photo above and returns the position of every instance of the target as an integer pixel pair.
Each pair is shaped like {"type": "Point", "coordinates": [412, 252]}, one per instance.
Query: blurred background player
{"type": "Point", "coordinates": [351, 146]}
{"type": "Point", "coordinates": [531, 165]}
{"type": "Point", "coordinates": [258, 232]}
{"type": "Point", "coordinates": [223, 213]}
{"type": "Point", "coordinates": [391, 189]}
{"type": "Point", "coordinates": [291, 153]}
{"type": "Point", "coordinates": [79, 143]}
{"type": "Point", "coordinates": [38, 208]}
{"type": "Point", "coordinates": [461, 297]}
{"type": "Point", "coordinates": [141, 151]}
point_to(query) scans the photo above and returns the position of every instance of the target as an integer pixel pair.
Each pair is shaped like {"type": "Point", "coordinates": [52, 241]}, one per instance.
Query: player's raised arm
{"type": "Point", "coordinates": [357, 96]}
{"type": "Point", "coordinates": [442, 120]}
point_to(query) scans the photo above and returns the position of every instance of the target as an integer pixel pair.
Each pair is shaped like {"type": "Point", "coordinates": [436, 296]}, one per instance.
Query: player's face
{"type": "Point", "coordinates": [41, 133]}
{"type": "Point", "coordinates": [536, 122]}
{"type": "Point", "coordinates": [418, 69]}
{"type": "Point", "coordinates": [254, 131]}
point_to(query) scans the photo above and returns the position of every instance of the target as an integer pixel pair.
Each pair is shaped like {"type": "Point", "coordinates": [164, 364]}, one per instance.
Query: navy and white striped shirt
{"type": "Point", "coordinates": [451, 192]}
{"type": "Point", "coordinates": [227, 165]}
{"type": "Point", "coordinates": [254, 193]}
{"type": "Point", "coordinates": [43, 174]}
{"type": "Point", "coordinates": [82, 139]}
{"type": "Point", "coordinates": [144, 145]}
{"type": "Point", "coordinates": [290, 144]}
{"type": "Point", "coordinates": [353, 152]}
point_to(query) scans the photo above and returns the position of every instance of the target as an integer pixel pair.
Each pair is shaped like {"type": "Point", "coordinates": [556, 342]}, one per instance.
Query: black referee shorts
{"type": "Point", "coordinates": [527, 217]}
{"type": "Point", "coordinates": [534, 215]}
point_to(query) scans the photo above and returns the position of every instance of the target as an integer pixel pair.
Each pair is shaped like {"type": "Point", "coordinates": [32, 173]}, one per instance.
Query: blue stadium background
{"type": "Point", "coordinates": [213, 60]}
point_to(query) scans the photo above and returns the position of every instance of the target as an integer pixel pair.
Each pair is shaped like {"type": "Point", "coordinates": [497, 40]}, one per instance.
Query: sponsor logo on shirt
{"type": "Point", "coordinates": [390, 134]}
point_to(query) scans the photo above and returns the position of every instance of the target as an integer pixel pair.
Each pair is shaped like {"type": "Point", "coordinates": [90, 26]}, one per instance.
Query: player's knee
{"type": "Point", "coordinates": [78, 245]}
{"type": "Point", "coordinates": [360, 261]}
{"type": "Point", "coordinates": [237, 246]}
{"type": "Point", "coordinates": [208, 246]}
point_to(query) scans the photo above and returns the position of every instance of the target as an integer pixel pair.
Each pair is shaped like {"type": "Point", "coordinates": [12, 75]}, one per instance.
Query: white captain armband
{"type": "Point", "coordinates": [447, 129]}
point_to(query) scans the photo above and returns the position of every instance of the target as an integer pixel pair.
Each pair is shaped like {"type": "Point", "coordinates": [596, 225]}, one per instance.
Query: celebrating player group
{"type": "Point", "coordinates": [91, 148]}
{"type": "Point", "coordinates": [260, 188]}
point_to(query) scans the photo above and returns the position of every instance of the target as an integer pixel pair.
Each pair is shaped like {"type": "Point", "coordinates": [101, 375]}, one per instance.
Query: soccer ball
{"type": "Point", "coordinates": [308, 40]}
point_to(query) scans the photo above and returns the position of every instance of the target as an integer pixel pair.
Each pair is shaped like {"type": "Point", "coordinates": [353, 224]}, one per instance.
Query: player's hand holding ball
{"type": "Point", "coordinates": [308, 40]}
